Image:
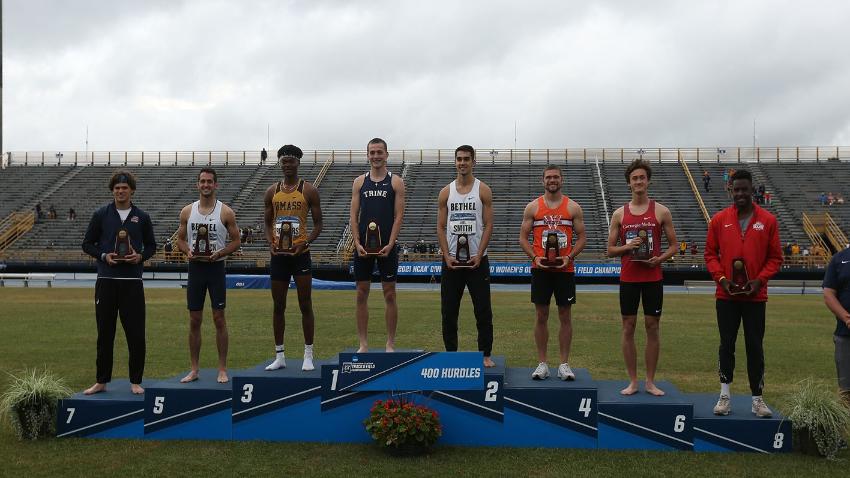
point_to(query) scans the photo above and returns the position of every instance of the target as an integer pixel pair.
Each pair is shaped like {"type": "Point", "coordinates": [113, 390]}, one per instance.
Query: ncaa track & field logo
{"type": "Point", "coordinates": [356, 366]}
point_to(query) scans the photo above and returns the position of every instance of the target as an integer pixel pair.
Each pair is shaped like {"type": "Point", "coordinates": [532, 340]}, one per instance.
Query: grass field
{"type": "Point", "coordinates": [55, 328]}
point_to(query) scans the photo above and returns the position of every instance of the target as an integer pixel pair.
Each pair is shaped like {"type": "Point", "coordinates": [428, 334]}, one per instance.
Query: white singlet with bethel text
{"type": "Point", "coordinates": [465, 217]}
{"type": "Point", "coordinates": [217, 231]}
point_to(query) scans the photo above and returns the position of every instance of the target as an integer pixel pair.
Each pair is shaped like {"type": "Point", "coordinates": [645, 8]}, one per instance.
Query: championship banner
{"type": "Point", "coordinates": [406, 371]}
{"type": "Point", "coordinates": [509, 269]}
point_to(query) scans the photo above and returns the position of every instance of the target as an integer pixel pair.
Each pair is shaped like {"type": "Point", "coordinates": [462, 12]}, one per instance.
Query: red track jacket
{"type": "Point", "coordinates": [759, 246]}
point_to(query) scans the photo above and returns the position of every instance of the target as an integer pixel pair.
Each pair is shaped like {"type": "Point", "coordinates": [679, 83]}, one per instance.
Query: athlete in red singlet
{"type": "Point", "coordinates": [637, 227]}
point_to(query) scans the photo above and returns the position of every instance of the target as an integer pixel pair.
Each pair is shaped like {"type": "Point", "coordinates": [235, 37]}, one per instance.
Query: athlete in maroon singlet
{"type": "Point", "coordinates": [640, 222]}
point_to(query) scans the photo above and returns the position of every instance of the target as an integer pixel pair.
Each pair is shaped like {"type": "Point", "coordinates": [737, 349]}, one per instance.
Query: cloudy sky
{"type": "Point", "coordinates": [214, 75]}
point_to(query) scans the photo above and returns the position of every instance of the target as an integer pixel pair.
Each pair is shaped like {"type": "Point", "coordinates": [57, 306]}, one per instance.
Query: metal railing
{"type": "Point", "coordinates": [736, 154]}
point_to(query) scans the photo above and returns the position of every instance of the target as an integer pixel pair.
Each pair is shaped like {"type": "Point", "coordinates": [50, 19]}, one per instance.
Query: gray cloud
{"type": "Point", "coordinates": [213, 74]}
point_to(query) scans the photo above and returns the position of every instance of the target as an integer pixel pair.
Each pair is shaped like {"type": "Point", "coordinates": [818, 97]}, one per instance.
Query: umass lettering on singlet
{"type": "Point", "coordinates": [557, 220]}
{"type": "Point", "coordinates": [290, 206]}
{"type": "Point", "coordinates": [216, 230]}
{"type": "Point", "coordinates": [377, 203]}
{"type": "Point", "coordinates": [629, 227]}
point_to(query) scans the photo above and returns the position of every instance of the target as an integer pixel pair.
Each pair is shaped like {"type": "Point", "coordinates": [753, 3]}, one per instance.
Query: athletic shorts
{"type": "Point", "coordinates": [203, 277]}
{"type": "Point", "coordinates": [387, 267]}
{"type": "Point", "coordinates": [546, 283]}
{"type": "Point", "coordinates": [283, 266]}
{"type": "Point", "coordinates": [652, 294]}
{"type": "Point", "coordinates": [842, 361]}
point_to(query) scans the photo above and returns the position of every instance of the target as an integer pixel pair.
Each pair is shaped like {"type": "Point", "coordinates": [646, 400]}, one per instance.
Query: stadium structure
{"type": "Point", "coordinates": [796, 178]}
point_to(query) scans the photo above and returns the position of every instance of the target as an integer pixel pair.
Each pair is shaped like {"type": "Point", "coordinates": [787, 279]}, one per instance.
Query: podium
{"type": "Point", "coordinates": [477, 406]}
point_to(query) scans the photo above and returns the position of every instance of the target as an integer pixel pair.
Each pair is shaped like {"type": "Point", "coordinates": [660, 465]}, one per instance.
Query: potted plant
{"type": "Point", "coordinates": [402, 427]}
{"type": "Point", "coordinates": [819, 419]}
{"type": "Point", "coordinates": [30, 403]}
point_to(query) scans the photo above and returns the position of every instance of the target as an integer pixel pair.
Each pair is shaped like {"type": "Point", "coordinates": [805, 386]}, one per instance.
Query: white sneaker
{"type": "Point", "coordinates": [308, 361]}
{"type": "Point", "coordinates": [565, 372]}
{"type": "Point", "coordinates": [724, 406]}
{"type": "Point", "coordinates": [277, 364]}
{"type": "Point", "coordinates": [760, 408]}
{"type": "Point", "coordinates": [541, 372]}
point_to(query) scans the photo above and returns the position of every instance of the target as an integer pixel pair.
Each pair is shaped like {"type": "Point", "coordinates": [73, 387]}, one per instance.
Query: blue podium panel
{"type": "Point", "coordinates": [549, 413]}
{"type": "Point", "coordinates": [199, 410]}
{"type": "Point", "coordinates": [345, 411]}
{"type": "Point", "coordinates": [472, 417]}
{"type": "Point", "coordinates": [643, 421]}
{"type": "Point", "coordinates": [409, 371]}
{"type": "Point", "coordinates": [115, 413]}
{"type": "Point", "coordinates": [279, 405]}
{"type": "Point", "coordinates": [741, 430]}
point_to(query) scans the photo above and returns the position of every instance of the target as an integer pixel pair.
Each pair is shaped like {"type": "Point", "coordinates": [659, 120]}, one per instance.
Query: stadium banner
{"type": "Point", "coordinates": [508, 269]}
{"type": "Point", "coordinates": [402, 371]}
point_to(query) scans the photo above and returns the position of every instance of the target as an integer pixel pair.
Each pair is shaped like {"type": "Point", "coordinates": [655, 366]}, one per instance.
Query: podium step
{"type": "Point", "coordinates": [115, 413]}
{"type": "Point", "coordinates": [741, 430]}
{"type": "Point", "coordinates": [198, 410]}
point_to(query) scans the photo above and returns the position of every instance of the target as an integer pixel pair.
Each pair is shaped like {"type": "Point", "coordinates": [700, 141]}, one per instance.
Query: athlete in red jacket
{"type": "Point", "coordinates": [748, 236]}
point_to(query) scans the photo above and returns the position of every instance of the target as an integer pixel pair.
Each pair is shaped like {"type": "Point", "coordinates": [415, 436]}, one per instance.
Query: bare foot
{"type": "Point", "coordinates": [136, 389]}
{"type": "Point", "coordinates": [222, 376]}
{"type": "Point", "coordinates": [653, 390]}
{"type": "Point", "coordinates": [363, 349]}
{"type": "Point", "coordinates": [488, 362]}
{"type": "Point", "coordinates": [96, 388]}
{"type": "Point", "coordinates": [193, 375]}
{"type": "Point", "coordinates": [390, 348]}
{"type": "Point", "coordinates": [630, 390]}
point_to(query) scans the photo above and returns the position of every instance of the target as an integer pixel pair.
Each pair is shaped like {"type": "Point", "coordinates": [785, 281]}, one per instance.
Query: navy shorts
{"type": "Point", "coordinates": [203, 277]}
{"type": "Point", "coordinates": [283, 267]}
{"type": "Point", "coordinates": [544, 284]}
{"type": "Point", "coordinates": [632, 292]}
{"type": "Point", "coordinates": [387, 267]}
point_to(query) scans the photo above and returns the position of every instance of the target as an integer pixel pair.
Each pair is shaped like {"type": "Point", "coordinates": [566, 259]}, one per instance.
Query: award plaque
{"type": "Point", "coordinates": [201, 249]}
{"type": "Point", "coordinates": [552, 250]}
{"type": "Point", "coordinates": [739, 277]}
{"type": "Point", "coordinates": [122, 245]}
{"type": "Point", "coordinates": [462, 255]}
{"type": "Point", "coordinates": [643, 251]}
{"type": "Point", "coordinates": [373, 239]}
{"type": "Point", "coordinates": [284, 243]}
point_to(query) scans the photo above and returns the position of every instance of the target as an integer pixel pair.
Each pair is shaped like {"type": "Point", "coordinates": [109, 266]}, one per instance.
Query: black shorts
{"type": "Point", "coordinates": [632, 292]}
{"type": "Point", "coordinates": [203, 277]}
{"type": "Point", "coordinates": [387, 267]}
{"type": "Point", "coordinates": [545, 283]}
{"type": "Point", "coordinates": [283, 267]}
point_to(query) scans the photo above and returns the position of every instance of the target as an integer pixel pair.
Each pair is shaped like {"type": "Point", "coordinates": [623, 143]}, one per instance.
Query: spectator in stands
{"type": "Point", "coordinates": [725, 176]}
{"type": "Point", "coordinates": [683, 247]}
{"type": "Point", "coordinates": [39, 214]}
{"type": "Point", "coordinates": [768, 197]}
{"type": "Point", "coordinates": [759, 249]}
{"type": "Point", "coordinates": [706, 181]}
{"type": "Point", "coordinates": [839, 199]}
{"type": "Point", "coordinates": [830, 199]}
{"type": "Point", "coordinates": [263, 156]}
{"type": "Point", "coordinates": [836, 295]}
{"type": "Point", "coordinates": [805, 252]}
{"type": "Point", "coordinates": [376, 196]}
{"type": "Point", "coordinates": [51, 212]}
{"type": "Point", "coordinates": [291, 200]}
{"type": "Point", "coordinates": [787, 249]}
{"type": "Point", "coordinates": [795, 249]}
{"type": "Point", "coordinates": [822, 199]}
{"type": "Point", "coordinates": [72, 214]}
{"type": "Point", "coordinates": [694, 249]}
{"type": "Point", "coordinates": [167, 251]}
{"type": "Point", "coordinates": [119, 288]}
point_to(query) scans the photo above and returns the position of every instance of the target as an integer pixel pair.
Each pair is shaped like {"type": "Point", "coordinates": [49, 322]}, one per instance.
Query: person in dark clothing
{"type": "Point", "coordinates": [119, 289]}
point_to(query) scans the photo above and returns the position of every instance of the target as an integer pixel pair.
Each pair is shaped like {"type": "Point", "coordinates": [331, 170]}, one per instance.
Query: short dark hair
{"type": "Point", "coordinates": [209, 171]}
{"type": "Point", "coordinates": [638, 164]}
{"type": "Point", "coordinates": [742, 174]}
{"type": "Point", "coordinates": [290, 150]}
{"type": "Point", "coordinates": [467, 148]}
{"type": "Point", "coordinates": [376, 141]}
{"type": "Point", "coordinates": [122, 176]}
{"type": "Point", "coordinates": [551, 167]}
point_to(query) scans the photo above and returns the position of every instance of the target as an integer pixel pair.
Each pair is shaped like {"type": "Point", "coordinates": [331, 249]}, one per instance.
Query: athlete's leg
{"type": "Point", "coordinates": [362, 312]}
{"type": "Point", "coordinates": [541, 330]}
{"type": "Point", "coordinates": [221, 342]}
{"type": "Point", "coordinates": [653, 347]}
{"type": "Point", "coordinates": [196, 317]}
{"type": "Point", "coordinates": [391, 314]}
{"type": "Point", "coordinates": [565, 334]}
{"type": "Point", "coordinates": [451, 293]}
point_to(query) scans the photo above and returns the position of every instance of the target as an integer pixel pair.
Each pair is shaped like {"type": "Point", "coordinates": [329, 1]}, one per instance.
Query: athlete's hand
{"type": "Point", "coordinates": [753, 287]}
{"type": "Point", "coordinates": [725, 284]}
{"type": "Point", "coordinates": [300, 249]}
{"type": "Point", "coordinates": [653, 261]}
{"type": "Point", "coordinates": [216, 255]}
{"type": "Point", "coordinates": [361, 251]}
{"type": "Point", "coordinates": [475, 261]}
{"type": "Point", "coordinates": [450, 262]}
{"type": "Point", "coordinates": [133, 257]}
{"type": "Point", "coordinates": [386, 250]}
{"type": "Point", "coordinates": [110, 258]}
{"type": "Point", "coordinates": [634, 243]}
{"type": "Point", "coordinates": [189, 255]}
{"type": "Point", "coordinates": [846, 319]}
